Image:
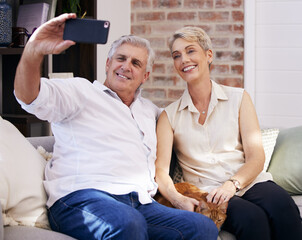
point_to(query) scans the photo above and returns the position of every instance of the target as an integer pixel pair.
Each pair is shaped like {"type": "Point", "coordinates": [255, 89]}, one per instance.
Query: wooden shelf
{"type": "Point", "coordinates": [22, 121]}
{"type": "Point", "coordinates": [10, 51]}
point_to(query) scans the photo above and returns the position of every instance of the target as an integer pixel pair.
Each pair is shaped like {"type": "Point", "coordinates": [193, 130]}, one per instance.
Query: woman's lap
{"type": "Point", "coordinates": [265, 211]}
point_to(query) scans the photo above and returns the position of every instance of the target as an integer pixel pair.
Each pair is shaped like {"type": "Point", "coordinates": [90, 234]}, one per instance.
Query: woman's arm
{"type": "Point", "coordinates": [164, 151]}
{"type": "Point", "coordinates": [253, 151]}
{"type": "Point", "coordinates": [252, 143]}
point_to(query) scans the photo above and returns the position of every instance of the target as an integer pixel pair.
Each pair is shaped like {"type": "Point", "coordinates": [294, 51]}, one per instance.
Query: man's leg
{"type": "Point", "coordinates": [92, 214]}
{"type": "Point", "coordinates": [174, 224]}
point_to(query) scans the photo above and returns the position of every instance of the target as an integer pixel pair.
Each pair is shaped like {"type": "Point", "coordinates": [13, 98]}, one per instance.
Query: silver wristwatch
{"type": "Point", "coordinates": [236, 184]}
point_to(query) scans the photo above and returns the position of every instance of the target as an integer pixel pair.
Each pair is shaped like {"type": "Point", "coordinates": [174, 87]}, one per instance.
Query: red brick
{"type": "Point", "coordinates": [229, 56]}
{"type": "Point", "coordinates": [224, 28]}
{"type": "Point", "coordinates": [220, 42]}
{"type": "Point", "coordinates": [198, 4]}
{"type": "Point", "coordinates": [140, 4]}
{"type": "Point", "coordinates": [207, 28]}
{"type": "Point", "coordinates": [153, 93]}
{"type": "Point", "coordinates": [230, 28]}
{"type": "Point", "coordinates": [181, 16]}
{"type": "Point", "coordinates": [132, 17]}
{"type": "Point", "coordinates": [228, 3]}
{"type": "Point", "coordinates": [239, 42]}
{"type": "Point", "coordinates": [151, 16]}
{"type": "Point", "coordinates": [171, 68]}
{"type": "Point", "coordinates": [213, 16]}
{"type": "Point", "coordinates": [233, 82]}
{"type": "Point", "coordinates": [163, 55]}
{"type": "Point", "coordinates": [166, 29]}
{"type": "Point", "coordinates": [219, 69]}
{"type": "Point", "coordinates": [238, 15]}
{"type": "Point", "coordinates": [239, 28]}
{"type": "Point", "coordinates": [165, 80]}
{"type": "Point", "coordinates": [175, 93]}
{"type": "Point", "coordinates": [158, 68]}
{"type": "Point", "coordinates": [166, 3]}
{"type": "Point", "coordinates": [157, 42]}
{"type": "Point", "coordinates": [140, 29]}
{"type": "Point", "coordinates": [237, 69]}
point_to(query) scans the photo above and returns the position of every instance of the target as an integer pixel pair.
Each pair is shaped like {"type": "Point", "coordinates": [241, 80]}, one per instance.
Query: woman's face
{"type": "Point", "coordinates": [190, 60]}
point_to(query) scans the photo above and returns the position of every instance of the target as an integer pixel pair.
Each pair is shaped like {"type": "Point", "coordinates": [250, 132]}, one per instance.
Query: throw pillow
{"type": "Point", "coordinates": [177, 174]}
{"type": "Point", "coordinates": [286, 163]}
{"type": "Point", "coordinates": [22, 194]}
{"type": "Point", "coordinates": [269, 137]}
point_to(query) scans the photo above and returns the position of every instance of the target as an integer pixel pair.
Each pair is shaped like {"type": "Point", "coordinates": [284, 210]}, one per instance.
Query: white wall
{"type": "Point", "coordinates": [273, 66]}
{"type": "Point", "coordinates": [118, 12]}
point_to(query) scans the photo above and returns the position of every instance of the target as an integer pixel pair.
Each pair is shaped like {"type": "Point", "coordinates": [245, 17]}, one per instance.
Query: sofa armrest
{"type": "Point", "coordinates": [1, 225]}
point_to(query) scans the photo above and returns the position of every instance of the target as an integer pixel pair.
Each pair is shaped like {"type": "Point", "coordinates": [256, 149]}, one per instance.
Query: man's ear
{"type": "Point", "coordinates": [147, 74]}
{"type": "Point", "coordinates": [107, 65]}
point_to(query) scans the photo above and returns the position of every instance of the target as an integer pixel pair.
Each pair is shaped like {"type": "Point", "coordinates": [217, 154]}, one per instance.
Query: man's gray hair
{"type": "Point", "coordinates": [135, 41]}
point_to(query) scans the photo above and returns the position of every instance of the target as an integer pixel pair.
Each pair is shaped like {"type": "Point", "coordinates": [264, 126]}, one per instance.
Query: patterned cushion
{"type": "Point", "coordinates": [269, 137]}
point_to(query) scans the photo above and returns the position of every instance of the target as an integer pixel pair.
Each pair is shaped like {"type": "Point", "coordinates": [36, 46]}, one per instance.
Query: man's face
{"type": "Point", "coordinates": [126, 70]}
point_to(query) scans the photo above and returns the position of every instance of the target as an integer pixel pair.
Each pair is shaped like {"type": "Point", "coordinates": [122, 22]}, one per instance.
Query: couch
{"type": "Point", "coordinates": [284, 163]}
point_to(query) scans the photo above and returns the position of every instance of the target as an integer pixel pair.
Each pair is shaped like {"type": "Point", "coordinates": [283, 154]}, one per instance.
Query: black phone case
{"type": "Point", "coordinates": [86, 30]}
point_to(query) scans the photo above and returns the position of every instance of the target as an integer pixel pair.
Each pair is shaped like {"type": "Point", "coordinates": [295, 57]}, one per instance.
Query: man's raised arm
{"type": "Point", "coordinates": [47, 39]}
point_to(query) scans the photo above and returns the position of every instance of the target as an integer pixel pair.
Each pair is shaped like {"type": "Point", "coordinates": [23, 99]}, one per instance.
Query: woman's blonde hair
{"type": "Point", "coordinates": [192, 34]}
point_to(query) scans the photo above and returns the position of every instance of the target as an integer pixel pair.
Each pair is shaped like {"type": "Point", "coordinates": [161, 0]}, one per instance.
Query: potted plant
{"type": "Point", "coordinates": [73, 6]}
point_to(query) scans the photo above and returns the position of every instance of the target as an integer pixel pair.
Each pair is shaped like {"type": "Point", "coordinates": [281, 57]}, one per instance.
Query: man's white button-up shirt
{"type": "Point", "coordinates": [100, 142]}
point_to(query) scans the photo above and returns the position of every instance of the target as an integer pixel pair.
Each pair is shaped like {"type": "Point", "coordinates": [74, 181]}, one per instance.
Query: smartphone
{"type": "Point", "coordinates": [86, 30]}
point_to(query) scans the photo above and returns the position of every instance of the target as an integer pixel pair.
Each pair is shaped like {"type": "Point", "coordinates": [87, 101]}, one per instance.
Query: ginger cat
{"type": "Point", "coordinates": [211, 210]}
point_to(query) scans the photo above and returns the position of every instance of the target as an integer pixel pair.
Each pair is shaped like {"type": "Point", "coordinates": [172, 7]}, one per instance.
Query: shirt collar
{"type": "Point", "coordinates": [114, 94]}
{"type": "Point", "coordinates": [186, 100]}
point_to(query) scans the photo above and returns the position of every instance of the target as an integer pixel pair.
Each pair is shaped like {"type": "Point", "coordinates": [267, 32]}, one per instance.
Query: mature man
{"type": "Point", "coordinates": [100, 181]}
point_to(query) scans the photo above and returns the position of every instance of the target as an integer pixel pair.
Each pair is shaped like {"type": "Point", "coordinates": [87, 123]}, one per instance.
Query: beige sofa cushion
{"type": "Point", "coordinates": [22, 194]}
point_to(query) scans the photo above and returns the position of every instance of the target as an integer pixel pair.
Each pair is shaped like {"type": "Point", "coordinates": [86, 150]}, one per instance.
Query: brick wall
{"type": "Point", "coordinates": [156, 20]}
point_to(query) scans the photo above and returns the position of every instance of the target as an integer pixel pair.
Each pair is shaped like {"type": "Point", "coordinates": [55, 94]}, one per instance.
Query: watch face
{"type": "Point", "coordinates": [236, 184]}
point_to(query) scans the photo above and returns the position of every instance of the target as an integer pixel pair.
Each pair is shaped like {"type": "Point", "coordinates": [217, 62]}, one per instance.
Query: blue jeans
{"type": "Point", "coordinates": [92, 214]}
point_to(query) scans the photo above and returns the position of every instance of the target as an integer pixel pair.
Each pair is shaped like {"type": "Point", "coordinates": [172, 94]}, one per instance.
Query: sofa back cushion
{"type": "Point", "coordinates": [286, 162]}
{"type": "Point", "coordinates": [22, 194]}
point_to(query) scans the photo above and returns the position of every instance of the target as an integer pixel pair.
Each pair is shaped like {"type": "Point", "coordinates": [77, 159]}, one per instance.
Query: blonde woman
{"type": "Point", "coordinates": [216, 136]}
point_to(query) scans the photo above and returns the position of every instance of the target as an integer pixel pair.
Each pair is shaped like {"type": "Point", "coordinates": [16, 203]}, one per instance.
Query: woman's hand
{"type": "Point", "coordinates": [185, 203]}
{"type": "Point", "coordinates": [222, 194]}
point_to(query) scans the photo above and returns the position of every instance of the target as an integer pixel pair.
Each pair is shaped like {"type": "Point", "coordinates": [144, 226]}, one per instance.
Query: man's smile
{"type": "Point", "coordinates": [122, 76]}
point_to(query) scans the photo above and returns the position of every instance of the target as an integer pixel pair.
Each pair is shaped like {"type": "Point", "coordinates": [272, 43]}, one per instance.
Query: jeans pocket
{"type": "Point", "coordinates": [53, 224]}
